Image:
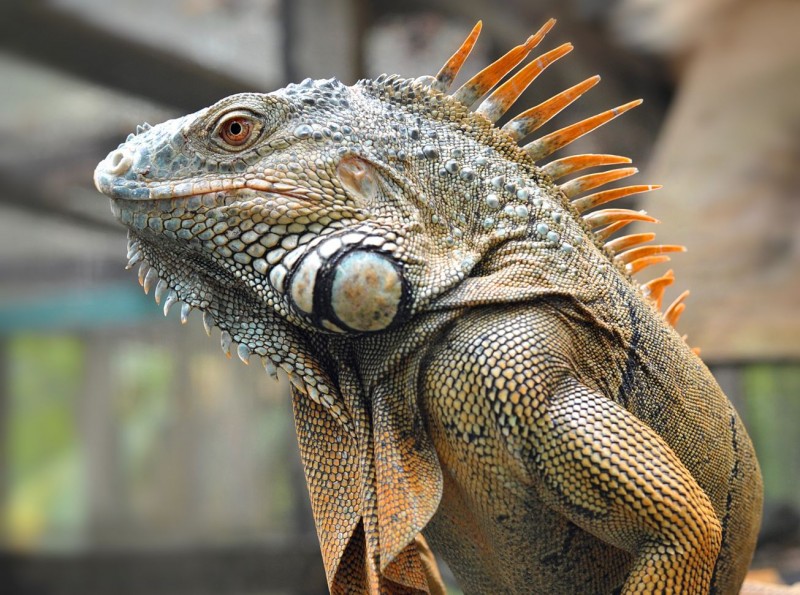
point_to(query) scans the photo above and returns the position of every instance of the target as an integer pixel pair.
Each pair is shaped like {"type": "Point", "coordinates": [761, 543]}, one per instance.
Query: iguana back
{"type": "Point", "coordinates": [470, 357]}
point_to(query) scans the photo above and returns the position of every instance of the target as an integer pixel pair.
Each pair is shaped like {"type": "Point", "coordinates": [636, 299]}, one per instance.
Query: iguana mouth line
{"type": "Point", "coordinates": [118, 177]}
{"type": "Point", "coordinates": [126, 187]}
{"type": "Point", "coordinates": [128, 191]}
{"type": "Point", "coordinates": [195, 203]}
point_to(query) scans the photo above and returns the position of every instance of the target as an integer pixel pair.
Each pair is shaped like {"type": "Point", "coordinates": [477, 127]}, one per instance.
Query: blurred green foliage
{"type": "Point", "coordinates": [772, 413]}
{"type": "Point", "coordinates": [121, 434]}
{"type": "Point", "coordinates": [43, 462]}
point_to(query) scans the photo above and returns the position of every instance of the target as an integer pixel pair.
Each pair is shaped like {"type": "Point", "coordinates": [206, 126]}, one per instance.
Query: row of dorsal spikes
{"type": "Point", "coordinates": [628, 250]}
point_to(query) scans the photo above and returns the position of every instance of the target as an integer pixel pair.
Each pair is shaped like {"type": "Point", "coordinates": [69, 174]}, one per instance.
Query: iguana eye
{"type": "Point", "coordinates": [237, 130]}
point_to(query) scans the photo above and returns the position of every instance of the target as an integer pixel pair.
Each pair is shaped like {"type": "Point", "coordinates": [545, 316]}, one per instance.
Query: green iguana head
{"type": "Point", "coordinates": [348, 209]}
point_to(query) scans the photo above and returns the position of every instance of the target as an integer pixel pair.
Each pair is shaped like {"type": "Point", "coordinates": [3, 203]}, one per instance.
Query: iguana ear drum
{"type": "Point", "coordinates": [353, 290]}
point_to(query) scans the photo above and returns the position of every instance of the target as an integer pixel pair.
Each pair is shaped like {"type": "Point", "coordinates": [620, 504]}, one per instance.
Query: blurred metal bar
{"type": "Point", "coordinates": [293, 566]}
{"type": "Point", "coordinates": [38, 31]}
{"type": "Point", "coordinates": [55, 271]}
{"type": "Point", "coordinates": [58, 306]}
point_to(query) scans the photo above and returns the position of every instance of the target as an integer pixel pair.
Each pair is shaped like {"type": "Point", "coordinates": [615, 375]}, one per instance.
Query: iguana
{"type": "Point", "coordinates": [470, 357]}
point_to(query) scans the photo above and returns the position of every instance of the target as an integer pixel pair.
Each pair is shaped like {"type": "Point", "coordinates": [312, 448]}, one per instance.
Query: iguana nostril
{"type": "Point", "coordinates": [118, 162]}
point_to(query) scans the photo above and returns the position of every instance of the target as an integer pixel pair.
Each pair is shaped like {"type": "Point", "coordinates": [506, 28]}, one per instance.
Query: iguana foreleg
{"type": "Point", "coordinates": [612, 475]}
{"type": "Point", "coordinates": [515, 378]}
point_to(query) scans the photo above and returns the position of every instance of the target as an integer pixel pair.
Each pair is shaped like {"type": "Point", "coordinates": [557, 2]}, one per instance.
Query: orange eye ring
{"type": "Point", "coordinates": [236, 131]}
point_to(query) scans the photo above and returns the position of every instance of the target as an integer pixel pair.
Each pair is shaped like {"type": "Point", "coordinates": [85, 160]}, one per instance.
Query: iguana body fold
{"type": "Point", "coordinates": [470, 359]}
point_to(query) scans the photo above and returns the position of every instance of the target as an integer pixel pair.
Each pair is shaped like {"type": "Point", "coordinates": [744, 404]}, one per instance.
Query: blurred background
{"type": "Point", "coordinates": [134, 458]}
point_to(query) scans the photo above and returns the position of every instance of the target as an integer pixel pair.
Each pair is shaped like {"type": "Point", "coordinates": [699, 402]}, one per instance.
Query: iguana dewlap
{"type": "Point", "coordinates": [470, 357]}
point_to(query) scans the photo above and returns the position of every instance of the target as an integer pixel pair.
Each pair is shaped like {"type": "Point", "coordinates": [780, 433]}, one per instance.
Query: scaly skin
{"type": "Point", "coordinates": [468, 361]}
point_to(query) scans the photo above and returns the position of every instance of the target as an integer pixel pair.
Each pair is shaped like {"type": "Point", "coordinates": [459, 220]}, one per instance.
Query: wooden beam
{"type": "Point", "coordinates": [46, 34]}
{"type": "Point", "coordinates": [39, 186]}
{"type": "Point", "coordinates": [33, 199]}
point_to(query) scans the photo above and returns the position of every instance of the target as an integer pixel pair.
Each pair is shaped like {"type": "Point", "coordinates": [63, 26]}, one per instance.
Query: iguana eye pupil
{"type": "Point", "coordinates": [236, 131]}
